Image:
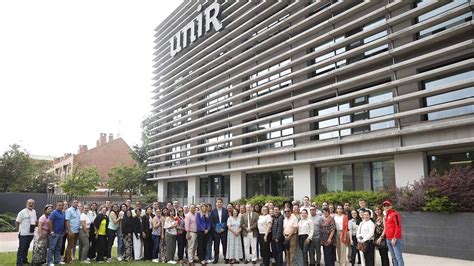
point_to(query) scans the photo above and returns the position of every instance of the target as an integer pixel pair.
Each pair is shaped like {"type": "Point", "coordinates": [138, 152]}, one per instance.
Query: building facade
{"type": "Point", "coordinates": [297, 98]}
{"type": "Point", "coordinates": [107, 154]}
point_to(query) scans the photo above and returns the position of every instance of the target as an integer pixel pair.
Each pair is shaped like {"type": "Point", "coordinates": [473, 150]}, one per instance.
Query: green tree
{"type": "Point", "coordinates": [140, 155]}
{"type": "Point", "coordinates": [40, 178]}
{"type": "Point", "coordinates": [15, 169]}
{"type": "Point", "coordinates": [81, 182]}
{"type": "Point", "coordinates": [125, 179]}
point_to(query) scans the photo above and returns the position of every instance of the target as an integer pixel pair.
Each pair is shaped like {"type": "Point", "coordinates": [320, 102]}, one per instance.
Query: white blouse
{"type": "Point", "coordinates": [366, 231]}
{"type": "Point", "coordinates": [263, 221]}
{"type": "Point", "coordinates": [306, 227]}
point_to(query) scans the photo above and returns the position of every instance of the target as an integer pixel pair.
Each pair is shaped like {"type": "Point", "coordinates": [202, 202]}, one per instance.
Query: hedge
{"type": "Point", "coordinates": [261, 200]}
{"type": "Point", "coordinates": [353, 197]}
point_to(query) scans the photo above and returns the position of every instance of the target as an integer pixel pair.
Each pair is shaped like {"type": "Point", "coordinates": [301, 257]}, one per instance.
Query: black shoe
{"type": "Point", "coordinates": [226, 261]}
{"type": "Point", "coordinates": [246, 262]}
{"type": "Point", "coordinates": [215, 261]}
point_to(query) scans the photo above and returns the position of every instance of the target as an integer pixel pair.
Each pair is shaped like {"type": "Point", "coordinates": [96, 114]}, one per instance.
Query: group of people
{"type": "Point", "coordinates": [293, 233]}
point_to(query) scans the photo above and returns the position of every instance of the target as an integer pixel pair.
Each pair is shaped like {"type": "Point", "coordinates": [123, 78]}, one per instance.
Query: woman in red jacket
{"type": "Point", "coordinates": [342, 240]}
{"type": "Point", "coordinates": [393, 233]}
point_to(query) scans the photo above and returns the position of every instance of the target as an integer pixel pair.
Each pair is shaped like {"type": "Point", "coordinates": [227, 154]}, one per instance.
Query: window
{"type": "Point", "coordinates": [177, 190]}
{"type": "Point", "coordinates": [177, 153]}
{"type": "Point", "coordinates": [263, 81]}
{"type": "Point", "coordinates": [277, 183]}
{"type": "Point", "coordinates": [214, 186]}
{"type": "Point", "coordinates": [358, 43]}
{"type": "Point", "coordinates": [444, 162]}
{"type": "Point", "coordinates": [438, 11]}
{"type": "Point", "coordinates": [449, 96]}
{"type": "Point", "coordinates": [270, 135]}
{"type": "Point", "coordinates": [177, 114]}
{"type": "Point", "coordinates": [356, 116]}
{"type": "Point", "coordinates": [217, 146]}
{"type": "Point", "coordinates": [356, 177]}
{"type": "Point", "coordinates": [215, 102]}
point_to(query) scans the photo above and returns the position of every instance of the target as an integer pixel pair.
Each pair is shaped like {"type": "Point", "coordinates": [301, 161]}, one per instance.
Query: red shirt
{"type": "Point", "coordinates": [393, 225]}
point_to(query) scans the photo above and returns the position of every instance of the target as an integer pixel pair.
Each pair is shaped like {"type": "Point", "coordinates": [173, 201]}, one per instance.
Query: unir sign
{"type": "Point", "coordinates": [195, 28]}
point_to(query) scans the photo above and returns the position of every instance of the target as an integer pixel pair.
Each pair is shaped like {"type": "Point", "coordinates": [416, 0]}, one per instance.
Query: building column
{"type": "Point", "coordinates": [237, 185]}
{"type": "Point", "coordinates": [162, 192]}
{"type": "Point", "coordinates": [193, 190]}
{"type": "Point", "coordinates": [410, 167]}
{"type": "Point", "coordinates": [304, 181]}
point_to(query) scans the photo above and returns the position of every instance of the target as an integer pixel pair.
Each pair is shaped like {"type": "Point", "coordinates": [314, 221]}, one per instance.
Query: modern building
{"type": "Point", "coordinates": [107, 154]}
{"type": "Point", "coordinates": [297, 98]}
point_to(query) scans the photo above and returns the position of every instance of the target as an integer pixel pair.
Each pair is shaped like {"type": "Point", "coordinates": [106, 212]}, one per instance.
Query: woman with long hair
{"type": "Point", "coordinates": [264, 225]}
{"type": "Point", "coordinates": [379, 236]}
{"type": "Point", "coordinates": [92, 214]}
{"type": "Point", "coordinates": [170, 232]}
{"type": "Point", "coordinates": [156, 235]}
{"type": "Point", "coordinates": [40, 247]}
{"type": "Point", "coordinates": [138, 235]}
{"type": "Point", "coordinates": [305, 235]}
{"type": "Point", "coordinates": [127, 235]}
{"type": "Point", "coordinates": [203, 226]}
{"type": "Point", "coordinates": [123, 210]}
{"type": "Point", "coordinates": [342, 237]}
{"type": "Point", "coordinates": [180, 234]}
{"type": "Point", "coordinates": [101, 224]}
{"type": "Point", "coordinates": [164, 214]}
{"type": "Point", "coordinates": [114, 223]}
{"type": "Point", "coordinates": [147, 228]}
{"type": "Point", "coordinates": [365, 236]}
{"type": "Point", "coordinates": [353, 225]}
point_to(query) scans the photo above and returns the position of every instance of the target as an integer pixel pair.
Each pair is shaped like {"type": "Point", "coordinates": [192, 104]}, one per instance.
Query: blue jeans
{"type": "Point", "coordinates": [24, 245]}
{"type": "Point", "coordinates": [54, 248]}
{"type": "Point", "coordinates": [396, 252]}
{"type": "Point", "coordinates": [156, 246]}
{"type": "Point", "coordinates": [119, 243]}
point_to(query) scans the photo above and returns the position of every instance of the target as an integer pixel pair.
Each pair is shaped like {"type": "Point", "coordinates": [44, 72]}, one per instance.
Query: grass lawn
{"type": "Point", "coordinates": [9, 258]}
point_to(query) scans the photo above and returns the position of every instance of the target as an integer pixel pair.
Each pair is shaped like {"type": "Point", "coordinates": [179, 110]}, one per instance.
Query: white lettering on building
{"type": "Point", "coordinates": [195, 28]}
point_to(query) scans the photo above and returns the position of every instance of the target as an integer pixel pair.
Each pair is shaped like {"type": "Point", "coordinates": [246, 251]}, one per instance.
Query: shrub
{"type": "Point", "coordinates": [341, 197]}
{"type": "Point", "coordinates": [261, 200]}
{"type": "Point", "coordinates": [5, 226]}
{"type": "Point", "coordinates": [148, 198]}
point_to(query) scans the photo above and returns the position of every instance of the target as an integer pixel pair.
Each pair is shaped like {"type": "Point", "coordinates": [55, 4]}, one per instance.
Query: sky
{"type": "Point", "coordinates": [70, 70]}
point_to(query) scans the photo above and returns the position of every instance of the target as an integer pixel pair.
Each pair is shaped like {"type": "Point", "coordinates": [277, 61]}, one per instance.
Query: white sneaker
{"type": "Point", "coordinates": [155, 260]}
{"type": "Point", "coordinates": [209, 261]}
{"type": "Point", "coordinates": [86, 262]}
{"type": "Point", "coordinates": [51, 264]}
{"type": "Point", "coordinates": [62, 262]}
{"type": "Point", "coordinates": [88, 259]}
{"type": "Point", "coordinates": [109, 260]}
{"type": "Point", "coordinates": [119, 258]}
{"type": "Point", "coordinates": [172, 262]}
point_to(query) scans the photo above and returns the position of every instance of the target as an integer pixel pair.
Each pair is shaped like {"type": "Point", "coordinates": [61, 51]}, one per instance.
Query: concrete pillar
{"type": "Point", "coordinates": [237, 185]}
{"type": "Point", "coordinates": [162, 191]}
{"type": "Point", "coordinates": [193, 190]}
{"type": "Point", "coordinates": [410, 167]}
{"type": "Point", "coordinates": [304, 181]}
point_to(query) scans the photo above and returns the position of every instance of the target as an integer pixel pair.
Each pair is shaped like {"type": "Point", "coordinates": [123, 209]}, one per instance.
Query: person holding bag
{"type": "Point", "coordinates": [379, 236]}
{"type": "Point", "coordinates": [365, 236]}
{"type": "Point", "coordinates": [305, 234]}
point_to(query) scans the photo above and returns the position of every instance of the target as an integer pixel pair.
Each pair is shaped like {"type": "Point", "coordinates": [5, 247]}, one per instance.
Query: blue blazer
{"type": "Point", "coordinates": [215, 219]}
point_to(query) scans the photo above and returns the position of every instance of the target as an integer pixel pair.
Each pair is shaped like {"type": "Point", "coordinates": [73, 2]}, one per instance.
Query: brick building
{"type": "Point", "coordinates": [108, 153]}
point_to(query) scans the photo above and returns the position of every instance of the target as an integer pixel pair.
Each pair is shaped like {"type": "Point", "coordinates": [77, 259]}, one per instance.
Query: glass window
{"type": "Point", "coordinates": [260, 82]}
{"type": "Point", "coordinates": [438, 11]}
{"type": "Point", "coordinates": [442, 163]}
{"type": "Point", "coordinates": [450, 96]}
{"type": "Point", "coordinates": [277, 183]}
{"type": "Point", "coordinates": [215, 102]}
{"type": "Point", "coordinates": [360, 177]}
{"type": "Point", "coordinates": [177, 190]}
{"type": "Point", "coordinates": [214, 186]}
{"type": "Point", "coordinates": [270, 135]}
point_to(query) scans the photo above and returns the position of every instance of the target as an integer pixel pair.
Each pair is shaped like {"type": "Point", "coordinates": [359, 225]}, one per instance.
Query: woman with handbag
{"type": "Point", "coordinates": [379, 236]}
{"type": "Point", "coordinates": [365, 236]}
{"type": "Point", "coordinates": [305, 235]}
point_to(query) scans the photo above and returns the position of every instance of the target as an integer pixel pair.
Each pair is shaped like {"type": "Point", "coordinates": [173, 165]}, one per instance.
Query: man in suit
{"type": "Point", "coordinates": [219, 217]}
{"type": "Point", "coordinates": [250, 233]}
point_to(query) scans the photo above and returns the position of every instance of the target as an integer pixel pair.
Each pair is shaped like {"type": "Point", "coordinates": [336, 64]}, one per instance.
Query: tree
{"type": "Point", "coordinates": [15, 169]}
{"type": "Point", "coordinates": [40, 178]}
{"type": "Point", "coordinates": [81, 182]}
{"type": "Point", "coordinates": [125, 179]}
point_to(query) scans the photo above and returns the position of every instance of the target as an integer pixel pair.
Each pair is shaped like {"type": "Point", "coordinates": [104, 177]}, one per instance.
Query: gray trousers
{"type": "Point", "coordinates": [170, 246]}
{"type": "Point", "coordinates": [315, 248]}
{"type": "Point", "coordinates": [83, 245]}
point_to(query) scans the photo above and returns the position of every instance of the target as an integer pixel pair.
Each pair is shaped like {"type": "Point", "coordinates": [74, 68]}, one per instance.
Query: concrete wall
{"type": "Point", "coordinates": [409, 167]}
{"type": "Point", "coordinates": [443, 235]}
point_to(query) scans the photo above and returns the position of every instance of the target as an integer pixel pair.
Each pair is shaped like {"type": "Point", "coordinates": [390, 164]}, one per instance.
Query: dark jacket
{"type": "Point", "coordinates": [146, 225]}
{"type": "Point", "coordinates": [215, 219]}
{"type": "Point", "coordinates": [127, 225]}
{"type": "Point", "coordinates": [138, 226]}
{"type": "Point", "coordinates": [277, 227]}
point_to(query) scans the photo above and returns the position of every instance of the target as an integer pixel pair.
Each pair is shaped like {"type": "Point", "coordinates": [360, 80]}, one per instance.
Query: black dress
{"type": "Point", "coordinates": [147, 240]}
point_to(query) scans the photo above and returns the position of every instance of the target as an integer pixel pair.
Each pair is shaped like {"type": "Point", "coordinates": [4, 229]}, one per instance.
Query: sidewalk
{"type": "Point", "coordinates": [9, 243]}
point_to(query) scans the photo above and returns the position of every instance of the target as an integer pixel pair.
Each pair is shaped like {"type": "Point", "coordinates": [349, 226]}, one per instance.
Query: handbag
{"type": "Point", "coordinates": [361, 246]}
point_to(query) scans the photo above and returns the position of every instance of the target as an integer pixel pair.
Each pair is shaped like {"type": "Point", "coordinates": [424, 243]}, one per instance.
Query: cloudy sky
{"type": "Point", "coordinates": [70, 70]}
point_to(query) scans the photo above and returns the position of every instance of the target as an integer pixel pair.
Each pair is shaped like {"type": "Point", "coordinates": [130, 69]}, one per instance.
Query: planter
{"type": "Point", "coordinates": [436, 234]}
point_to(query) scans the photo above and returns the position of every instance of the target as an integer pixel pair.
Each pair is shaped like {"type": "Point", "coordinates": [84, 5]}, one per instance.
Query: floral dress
{"type": "Point", "coordinates": [234, 243]}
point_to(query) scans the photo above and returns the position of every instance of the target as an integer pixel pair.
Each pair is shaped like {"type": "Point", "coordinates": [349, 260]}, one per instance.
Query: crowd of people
{"type": "Point", "coordinates": [291, 234]}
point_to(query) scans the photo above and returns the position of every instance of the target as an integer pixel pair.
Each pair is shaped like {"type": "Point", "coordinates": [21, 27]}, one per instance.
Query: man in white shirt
{"type": "Point", "coordinates": [25, 224]}
{"type": "Point", "coordinates": [316, 243]}
{"type": "Point", "coordinates": [363, 207]}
